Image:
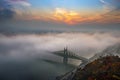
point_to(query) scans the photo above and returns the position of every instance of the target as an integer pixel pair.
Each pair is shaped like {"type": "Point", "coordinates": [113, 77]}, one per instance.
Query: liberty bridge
{"type": "Point", "coordinates": [68, 54]}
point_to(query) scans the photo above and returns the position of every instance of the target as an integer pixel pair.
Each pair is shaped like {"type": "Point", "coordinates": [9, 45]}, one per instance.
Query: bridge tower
{"type": "Point", "coordinates": [65, 58]}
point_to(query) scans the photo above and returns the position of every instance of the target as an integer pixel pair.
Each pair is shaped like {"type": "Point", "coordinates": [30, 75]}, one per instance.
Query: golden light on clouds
{"type": "Point", "coordinates": [66, 16]}
{"type": "Point", "coordinates": [72, 17]}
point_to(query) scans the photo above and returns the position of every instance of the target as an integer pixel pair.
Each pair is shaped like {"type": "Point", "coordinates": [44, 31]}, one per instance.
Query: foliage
{"type": "Point", "coordinates": [104, 68]}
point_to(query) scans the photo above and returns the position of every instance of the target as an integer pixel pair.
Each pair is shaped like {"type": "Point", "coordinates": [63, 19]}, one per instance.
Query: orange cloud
{"type": "Point", "coordinates": [65, 16]}
{"type": "Point", "coordinates": [71, 17]}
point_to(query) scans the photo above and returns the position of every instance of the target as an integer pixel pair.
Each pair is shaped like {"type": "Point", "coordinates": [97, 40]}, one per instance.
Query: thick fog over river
{"type": "Point", "coordinates": [28, 57]}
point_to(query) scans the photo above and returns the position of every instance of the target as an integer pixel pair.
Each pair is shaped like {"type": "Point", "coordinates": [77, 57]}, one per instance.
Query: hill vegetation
{"type": "Point", "coordinates": [104, 68]}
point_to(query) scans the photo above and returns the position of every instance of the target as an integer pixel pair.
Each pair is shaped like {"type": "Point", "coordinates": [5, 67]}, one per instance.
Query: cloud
{"type": "Point", "coordinates": [111, 9]}
{"type": "Point", "coordinates": [22, 10]}
{"type": "Point", "coordinates": [64, 15]}
{"type": "Point", "coordinates": [6, 11]}
{"type": "Point", "coordinates": [21, 3]}
{"type": "Point", "coordinates": [11, 8]}
{"type": "Point", "coordinates": [109, 14]}
{"type": "Point", "coordinates": [111, 5]}
{"type": "Point", "coordinates": [71, 17]}
{"type": "Point", "coordinates": [83, 44]}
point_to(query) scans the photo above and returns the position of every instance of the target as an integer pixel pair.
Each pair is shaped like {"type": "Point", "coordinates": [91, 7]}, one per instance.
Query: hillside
{"type": "Point", "coordinates": [104, 68]}
{"type": "Point", "coordinates": [111, 50]}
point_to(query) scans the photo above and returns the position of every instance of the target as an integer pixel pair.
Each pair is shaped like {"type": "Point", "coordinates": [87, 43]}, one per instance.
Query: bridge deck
{"type": "Point", "coordinates": [70, 55]}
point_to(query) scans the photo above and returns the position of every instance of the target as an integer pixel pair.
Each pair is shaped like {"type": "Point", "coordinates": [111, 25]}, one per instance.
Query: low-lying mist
{"type": "Point", "coordinates": [23, 57]}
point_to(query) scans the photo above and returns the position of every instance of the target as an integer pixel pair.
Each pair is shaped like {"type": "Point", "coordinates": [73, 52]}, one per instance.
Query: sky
{"type": "Point", "coordinates": [31, 29]}
{"type": "Point", "coordinates": [59, 15]}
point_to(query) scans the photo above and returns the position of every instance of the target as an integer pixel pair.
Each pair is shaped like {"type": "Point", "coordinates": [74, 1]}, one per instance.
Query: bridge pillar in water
{"type": "Point", "coordinates": [65, 58]}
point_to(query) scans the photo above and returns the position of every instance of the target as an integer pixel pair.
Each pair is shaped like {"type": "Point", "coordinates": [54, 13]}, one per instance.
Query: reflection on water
{"type": "Point", "coordinates": [31, 69]}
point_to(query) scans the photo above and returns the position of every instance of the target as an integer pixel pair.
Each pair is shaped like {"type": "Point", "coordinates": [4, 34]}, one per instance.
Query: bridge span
{"type": "Point", "coordinates": [68, 54]}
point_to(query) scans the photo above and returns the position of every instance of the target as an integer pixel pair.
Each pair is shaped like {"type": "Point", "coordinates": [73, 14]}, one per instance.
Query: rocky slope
{"type": "Point", "coordinates": [104, 68]}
